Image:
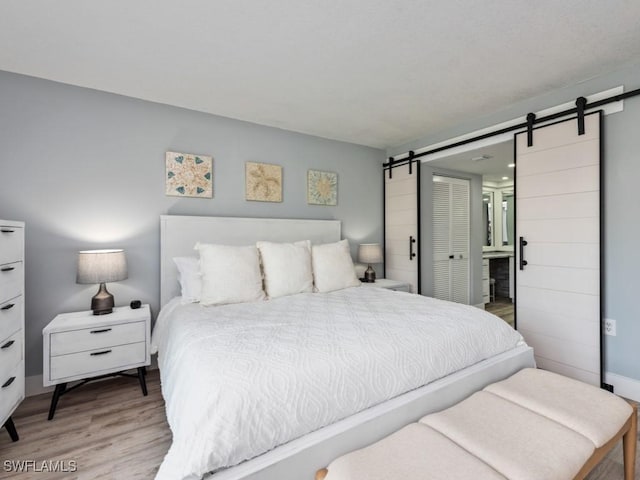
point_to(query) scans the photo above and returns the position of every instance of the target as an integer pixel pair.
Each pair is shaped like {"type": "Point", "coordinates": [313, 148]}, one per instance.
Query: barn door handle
{"type": "Point", "coordinates": [523, 262]}
{"type": "Point", "coordinates": [411, 252]}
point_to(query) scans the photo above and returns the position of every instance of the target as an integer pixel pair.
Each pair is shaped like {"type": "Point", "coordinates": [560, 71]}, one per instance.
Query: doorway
{"type": "Point", "coordinates": [489, 172]}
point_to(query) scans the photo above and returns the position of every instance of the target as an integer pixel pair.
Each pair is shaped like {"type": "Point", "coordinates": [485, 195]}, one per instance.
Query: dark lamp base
{"type": "Point", "coordinates": [102, 302]}
{"type": "Point", "coordinates": [369, 275]}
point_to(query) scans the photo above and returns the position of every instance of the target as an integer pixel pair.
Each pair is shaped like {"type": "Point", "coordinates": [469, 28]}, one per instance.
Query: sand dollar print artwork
{"type": "Point", "coordinates": [322, 188]}
{"type": "Point", "coordinates": [263, 182]}
{"type": "Point", "coordinates": [189, 175]}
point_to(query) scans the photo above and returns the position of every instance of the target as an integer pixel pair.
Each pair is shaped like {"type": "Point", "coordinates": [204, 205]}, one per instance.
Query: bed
{"type": "Point", "coordinates": [339, 370]}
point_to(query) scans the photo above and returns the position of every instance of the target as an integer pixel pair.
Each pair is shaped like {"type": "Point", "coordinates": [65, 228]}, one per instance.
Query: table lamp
{"type": "Point", "coordinates": [101, 266]}
{"type": "Point", "coordinates": [370, 253]}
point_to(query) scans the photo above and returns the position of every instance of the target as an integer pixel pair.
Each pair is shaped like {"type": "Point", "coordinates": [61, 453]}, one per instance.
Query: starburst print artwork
{"type": "Point", "coordinates": [322, 188]}
{"type": "Point", "coordinates": [188, 175]}
{"type": "Point", "coordinates": [263, 182]}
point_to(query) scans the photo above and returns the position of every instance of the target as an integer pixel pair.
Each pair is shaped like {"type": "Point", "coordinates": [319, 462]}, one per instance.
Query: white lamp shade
{"type": "Point", "coordinates": [370, 253]}
{"type": "Point", "coordinates": [101, 266]}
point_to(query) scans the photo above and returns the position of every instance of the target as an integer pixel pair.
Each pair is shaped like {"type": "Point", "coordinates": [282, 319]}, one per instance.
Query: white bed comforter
{"type": "Point", "coordinates": [239, 380]}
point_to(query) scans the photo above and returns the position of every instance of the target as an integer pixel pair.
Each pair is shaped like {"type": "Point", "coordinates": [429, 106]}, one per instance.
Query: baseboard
{"type": "Point", "coordinates": [624, 386]}
{"type": "Point", "coordinates": [33, 384]}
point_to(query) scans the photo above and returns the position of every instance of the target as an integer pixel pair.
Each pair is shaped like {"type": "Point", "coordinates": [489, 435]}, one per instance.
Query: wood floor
{"type": "Point", "coordinates": [113, 432]}
{"type": "Point", "coordinates": [109, 428]}
{"type": "Point", "coordinates": [503, 308]}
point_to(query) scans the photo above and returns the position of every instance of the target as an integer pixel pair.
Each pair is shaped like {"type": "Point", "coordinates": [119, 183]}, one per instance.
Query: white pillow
{"type": "Point", "coordinates": [286, 267]}
{"type": "Point", "coordinates": [229, 274]}
{"type": "Point", "coordinates": [333, 266]}
{"type": "Point", "coordinates": [189, 278]}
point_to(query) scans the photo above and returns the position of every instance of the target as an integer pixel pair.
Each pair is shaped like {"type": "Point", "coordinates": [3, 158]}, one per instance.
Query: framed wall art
{"type": "Point", "coordinates": [263, 182]}
{"type": "Point", "coordinates": [188, 175]}
{"type": "Point", "coordinates": [322, 188]}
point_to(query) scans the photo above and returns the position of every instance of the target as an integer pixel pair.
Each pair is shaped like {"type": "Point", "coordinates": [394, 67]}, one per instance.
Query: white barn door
{"type": "Point", "coordinates": [558, 247]}
{"type": "Point", "coordinates": [401, 197]}
{"type": "Point", "coordinates": [451, 239]}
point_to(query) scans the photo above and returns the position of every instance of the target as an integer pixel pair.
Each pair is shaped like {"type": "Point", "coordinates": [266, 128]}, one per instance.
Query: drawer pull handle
{"type": "Point", "coordinates": [7, 345]}
{"type": "Point", "coordinates": [8, 306]}
{"type": "Point", "coordinates": [104, 352]}
{"type": "Point", "coordinates": [103, 330]}
{"type": "Point", "coordinates": [7, 269]}
{"type": "Point", "coordinates": [7, 230]}
{"type": "Point", "coordinates": [8, 382]}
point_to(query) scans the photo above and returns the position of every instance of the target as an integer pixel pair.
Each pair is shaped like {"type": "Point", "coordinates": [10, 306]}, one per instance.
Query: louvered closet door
{"type": "Point", "coordinates": [558, 216]}
{"type": "Point", "coordinates": [401, 224]}
{"type": "Point", "coordinates": [451, 239]}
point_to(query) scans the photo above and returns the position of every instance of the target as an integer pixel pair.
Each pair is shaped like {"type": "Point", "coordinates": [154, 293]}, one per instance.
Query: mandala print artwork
{"type": "Point", "coordinates": [263, 182]}
{"type": "Point", "coordinates": [322, 188]}
{"type": "Point", "coordinates": [189, 175]}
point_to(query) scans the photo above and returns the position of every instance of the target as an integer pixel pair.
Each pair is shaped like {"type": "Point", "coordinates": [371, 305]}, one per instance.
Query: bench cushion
{"type": "Point", "coordinates": [415, 452]}
{"type": "Point", "coordinates": [589, 410]}
{"type": "Point", "coordinates": [516, 442]}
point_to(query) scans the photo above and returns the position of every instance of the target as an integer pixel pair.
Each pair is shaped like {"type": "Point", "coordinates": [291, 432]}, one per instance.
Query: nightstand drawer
{"type": "Point", "coordinates": [74, 341]}
{"type": "Point", "coordinates": [10, 317]}
{"type": "Point", "coordinates": [10, 244]}
{"type": "Point", "coordinates": [12, 389]}
{"type": "Point", "coordinates": [97, 362]}
{"type": "Point", "coordinates": [11, 283]}
{"type": "Point", "coordinates": [10, 353]}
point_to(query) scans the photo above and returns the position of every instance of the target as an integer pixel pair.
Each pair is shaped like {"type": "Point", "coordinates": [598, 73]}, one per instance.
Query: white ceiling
{"type": "Point", "coordinates": [372, 72]}
{"type": "Point", "coordinates": [492, 169]}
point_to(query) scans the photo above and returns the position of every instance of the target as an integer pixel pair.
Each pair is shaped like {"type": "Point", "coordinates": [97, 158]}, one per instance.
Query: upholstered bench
{"type": "Point", "coordinates": [535, 425]}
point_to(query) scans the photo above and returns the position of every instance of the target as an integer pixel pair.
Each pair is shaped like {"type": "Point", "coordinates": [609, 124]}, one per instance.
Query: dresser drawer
{"type": "Point", "coordinates": [11, 317]}
{"type": "Point", "coordinates": [11, 280]}
{"type": "Point", "coordinates": [97, 362]}
{"type": "Point", "coordinates": [75, 341]}
{"type": "Point", "coordinates": [10, 244]}
{"type": "Point", "coordinates": [11, 391]}
{"type": "Point", "coordinates": [10, 353]}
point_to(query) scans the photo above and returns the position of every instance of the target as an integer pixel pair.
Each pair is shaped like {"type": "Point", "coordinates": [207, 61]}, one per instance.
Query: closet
{"type": "Point", "coordinates": [451, 239]}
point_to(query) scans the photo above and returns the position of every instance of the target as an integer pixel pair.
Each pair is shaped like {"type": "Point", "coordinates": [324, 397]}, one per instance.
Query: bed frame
{"type": "Point", "coordinates": [302, 457]}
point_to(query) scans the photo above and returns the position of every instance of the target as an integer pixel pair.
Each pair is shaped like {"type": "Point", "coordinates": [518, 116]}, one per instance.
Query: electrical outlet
{"type": "Point", "coordinates": [610, 327]}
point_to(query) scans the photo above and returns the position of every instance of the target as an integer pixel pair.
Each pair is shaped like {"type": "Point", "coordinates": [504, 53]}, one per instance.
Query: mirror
{"type": "Point", "coordinates": [507, 218]}
{"type": "Point", "coordinates": [487, 218]}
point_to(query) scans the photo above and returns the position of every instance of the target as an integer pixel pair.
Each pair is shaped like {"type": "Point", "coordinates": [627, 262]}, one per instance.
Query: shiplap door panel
{"type": "Point", "coordinates": [451, 239]}
{"type": "Point", "coordinates": [558, 215]}
{"type": "Point", "coordinates": [401, 224]}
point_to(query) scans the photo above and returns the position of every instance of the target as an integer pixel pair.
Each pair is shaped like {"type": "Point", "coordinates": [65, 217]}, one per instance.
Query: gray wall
{"type": "Point", "coordinates": [621, 202]}
{"type": "Point", "coordinates": [476, 235]}
{"type": "Point", "coordinates": [85, 169]}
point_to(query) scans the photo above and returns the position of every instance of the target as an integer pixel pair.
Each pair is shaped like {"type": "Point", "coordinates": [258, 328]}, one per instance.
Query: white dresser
{"type": "Point", "coordinates": [11, 321]}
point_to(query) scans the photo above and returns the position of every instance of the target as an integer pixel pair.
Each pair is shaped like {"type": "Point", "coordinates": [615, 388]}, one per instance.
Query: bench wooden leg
{"type": "Point", "coordinates": [629, 441]}
{"type": "Point", "coordinates": [320, 474]}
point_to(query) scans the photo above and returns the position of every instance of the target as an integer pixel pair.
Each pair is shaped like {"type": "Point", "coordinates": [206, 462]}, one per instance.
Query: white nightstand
{"type": "Point", "coordinates": [389, 284]}
{"type": "Point", "coordinates": [83, 346]}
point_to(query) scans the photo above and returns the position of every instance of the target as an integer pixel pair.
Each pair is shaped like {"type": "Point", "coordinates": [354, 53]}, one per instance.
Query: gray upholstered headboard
{"type": "Point", "coordinates": [179, 234]}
